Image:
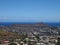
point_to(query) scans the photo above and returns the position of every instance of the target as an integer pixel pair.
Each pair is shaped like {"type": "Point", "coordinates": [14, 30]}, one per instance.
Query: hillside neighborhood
{"type": "Point", "coordinates": [29, 34]}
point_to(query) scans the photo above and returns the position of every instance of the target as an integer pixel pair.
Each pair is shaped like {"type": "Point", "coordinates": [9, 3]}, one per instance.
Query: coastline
{"type": "Point", "coordinates": [48, 23]}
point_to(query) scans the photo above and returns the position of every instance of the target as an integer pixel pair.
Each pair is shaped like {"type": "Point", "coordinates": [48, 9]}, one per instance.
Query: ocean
{"type": "Point", "coordinates": [48, 23]}
{"type": "Point", "coordinates": [53, 24]}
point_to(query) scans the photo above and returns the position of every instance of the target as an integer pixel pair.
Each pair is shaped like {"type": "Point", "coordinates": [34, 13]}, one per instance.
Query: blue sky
{"type": "Point", "coordinates": [29, 10]}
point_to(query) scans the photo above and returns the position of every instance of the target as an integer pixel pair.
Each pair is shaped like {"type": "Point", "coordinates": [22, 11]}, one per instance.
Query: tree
{"type": "Point", "coordinates": [24, 36]}
{"type": "Point", "coordinates": [26, 40]}
{"type": "Point", "coordinates": [58, 43]}
{"type": "Point", "coordinates": [12, 44]}
{"type": "Point", "coordinates": [37, 36]}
